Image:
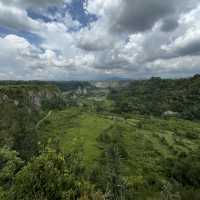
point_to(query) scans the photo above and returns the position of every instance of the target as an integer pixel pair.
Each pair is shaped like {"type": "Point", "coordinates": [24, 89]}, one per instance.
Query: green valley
{"type": "Point", "coordinates": [149, 142]}
{"type": "Point", "coordinates": [89, 142]}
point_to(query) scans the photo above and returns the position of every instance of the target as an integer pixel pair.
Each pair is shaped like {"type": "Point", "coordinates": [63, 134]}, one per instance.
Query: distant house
{"type": "Point", "coordinates": [170, 113]}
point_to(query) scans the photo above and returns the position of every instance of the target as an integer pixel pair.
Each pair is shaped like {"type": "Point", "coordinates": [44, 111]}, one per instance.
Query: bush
{"type": "Point", "coordinates": [43, 178]}
{"type": "Point", "coordinates": [185, 169]}
{"type": "Point", "coordinates": [192, 135]}
{"type": "Point", "coordinates": [52, 176]}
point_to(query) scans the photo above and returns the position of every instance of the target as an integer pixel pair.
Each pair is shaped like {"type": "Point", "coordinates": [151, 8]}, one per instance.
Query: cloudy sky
{"type": "Point", "coordinates": [99, 39]}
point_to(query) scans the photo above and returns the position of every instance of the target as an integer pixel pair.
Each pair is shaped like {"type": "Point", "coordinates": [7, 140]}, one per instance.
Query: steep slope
{"type": "Point", "coordinates": [27, 95]}
{"type": "Point", "coordinates": [21, 109]}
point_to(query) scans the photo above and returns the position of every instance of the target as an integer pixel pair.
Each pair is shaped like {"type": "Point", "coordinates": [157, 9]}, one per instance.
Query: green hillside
{"type": "Point", "coordinates": [149, 142]}
{"type": "Point", "coordinates": [21, 108]}
{"type": "Point", "coordinates": [94, 143]}
{"type": "Point", "coordinates": [156, 96]}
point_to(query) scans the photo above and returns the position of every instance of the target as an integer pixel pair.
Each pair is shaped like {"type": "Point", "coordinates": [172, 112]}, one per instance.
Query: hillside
{"type": "Point", "coordinates": [27, 94]}
{"type": "Point", "coordinates": [100, 141]}
{"type": "Point", "coordinates": [21, 108]}
{"type": "Point", "coordinates": [64, 86]}
{"type": "Point", "coordinates": [148, 142]}
{"type": "Point", "coordinates": [157, 96]}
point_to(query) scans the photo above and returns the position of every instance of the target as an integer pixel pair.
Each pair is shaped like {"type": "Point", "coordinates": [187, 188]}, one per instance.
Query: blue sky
{"type": "Point", "coordinates": [75, 9]}
{"type": "Point", "coordinates": [99, 39]}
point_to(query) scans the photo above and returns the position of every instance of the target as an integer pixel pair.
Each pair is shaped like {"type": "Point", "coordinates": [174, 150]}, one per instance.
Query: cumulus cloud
{"type": "Point", "coordinates": [175, 67]}
{"type": "Point", "coordinates": [141, 15]}
{"type": "Point", "coordinates": [138, 15]}
{"type": "Point", "coordinates": [12, 51]}
{"type": "Point", "coordinates": [187, 43]}
{"type": "Point", "coordinates": [33, 3]}
{"type": "Point", "coordinates": [169, 24]}
{"type": "Point", "coordinates": [21, 59]}
{"type": "Point", "coordinates": [30, 62]}
{"type": "Point", "coordinates": [128, 38]}
{"type": "Point", "coordinates": [95, 38]}
{"type": "Point", "coordinates": [16, 18]}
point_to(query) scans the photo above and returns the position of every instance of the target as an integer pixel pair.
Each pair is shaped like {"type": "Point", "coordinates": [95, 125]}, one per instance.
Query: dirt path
{"type": "Point", "coordinates": [43, 119]}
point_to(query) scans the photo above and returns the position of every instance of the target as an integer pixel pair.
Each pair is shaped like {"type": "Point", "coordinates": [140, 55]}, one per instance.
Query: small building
{"type": "Point", "coordinates": [170, 113]}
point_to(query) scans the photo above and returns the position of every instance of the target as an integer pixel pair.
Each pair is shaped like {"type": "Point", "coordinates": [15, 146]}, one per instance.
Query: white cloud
{"type": "Point", "coordinates": [124, 40]}
{"type": "Point", "coordinates": [33, 3]}
{"type": "Point", "coordinates": [95, 38]}
{"type": "Point", "coordinates": [188, 42]}
{"type": "Point", "coordinates": [137, 15]}
{"type": "Point", "coordinates": [22, 60]}
{"type": "Point", "coordinates": [16, 18]}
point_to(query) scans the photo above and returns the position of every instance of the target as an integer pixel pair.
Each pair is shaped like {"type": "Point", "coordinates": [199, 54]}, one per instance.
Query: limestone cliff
{"type": "Point", "coordinates": [27, 95]}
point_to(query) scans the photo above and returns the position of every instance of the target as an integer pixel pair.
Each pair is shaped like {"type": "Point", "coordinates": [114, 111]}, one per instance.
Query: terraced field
{"type": "Point", "coordinates": [148, 141]}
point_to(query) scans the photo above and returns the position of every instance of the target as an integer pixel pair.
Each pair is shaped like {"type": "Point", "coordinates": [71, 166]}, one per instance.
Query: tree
{"type": "Point", "coordinates": [10, 164]}
{"type": "Point", "coordinates": [52, 176]}
{"type": "Point", "coordinates": [43, 178]}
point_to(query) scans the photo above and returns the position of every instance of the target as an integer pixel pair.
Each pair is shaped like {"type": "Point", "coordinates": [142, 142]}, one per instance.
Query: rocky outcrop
{"type": "Point", "coordinates": [27, 95]}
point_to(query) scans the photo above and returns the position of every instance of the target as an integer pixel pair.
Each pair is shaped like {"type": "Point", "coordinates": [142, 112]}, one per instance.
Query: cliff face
{"type": "Point", "coordinates": [20, 109]}
{"type": "Point", "coordinates": [31, 96]}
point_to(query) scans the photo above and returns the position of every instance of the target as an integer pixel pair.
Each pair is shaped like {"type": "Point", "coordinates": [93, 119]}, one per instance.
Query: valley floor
{"type": "Point", "coordinates": [148, 141]}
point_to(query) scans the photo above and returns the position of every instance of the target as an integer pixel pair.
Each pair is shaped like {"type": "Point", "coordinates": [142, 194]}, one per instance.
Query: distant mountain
{"type": "Point", "coordinates": [111, 83]}
{"type": "Point", "coordinates": [115, 78]}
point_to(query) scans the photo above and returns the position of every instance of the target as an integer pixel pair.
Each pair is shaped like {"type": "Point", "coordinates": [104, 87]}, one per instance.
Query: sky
{"type": "Point", "coordinates": [99, 39]}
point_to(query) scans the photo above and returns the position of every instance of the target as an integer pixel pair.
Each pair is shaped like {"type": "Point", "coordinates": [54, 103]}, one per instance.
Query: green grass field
{"type": "Point", "coordinates": [147, 140]}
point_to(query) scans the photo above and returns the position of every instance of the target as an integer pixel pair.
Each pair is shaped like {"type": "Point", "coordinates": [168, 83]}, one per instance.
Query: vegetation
{"type": "Point", "coordinates": [113, 145]}
{"type": "Point", "coordinates": [62, 85]}
{"type": "Point", "coordinates": [145, 149]}
{"type": "Point", "coordinates": [156, 96]}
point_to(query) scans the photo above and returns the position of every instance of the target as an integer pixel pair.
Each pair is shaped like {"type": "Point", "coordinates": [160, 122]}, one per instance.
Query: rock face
{"type": "Point", "coordinates": [29, 95]}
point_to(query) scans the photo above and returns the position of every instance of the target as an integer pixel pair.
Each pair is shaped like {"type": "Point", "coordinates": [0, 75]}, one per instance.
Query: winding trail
{"type": "Point", "coordinates": [43, 119]}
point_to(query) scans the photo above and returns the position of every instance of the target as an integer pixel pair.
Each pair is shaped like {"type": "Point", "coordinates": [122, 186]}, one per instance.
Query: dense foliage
{"type": "Point", "coordinates": [17, 129]}
{"type": "Point", "coordinates": [156, 96]}
{"type": "Point", "coordinates": [62, 85]}
{"type": "Point", "coordinates": [97, 148]}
